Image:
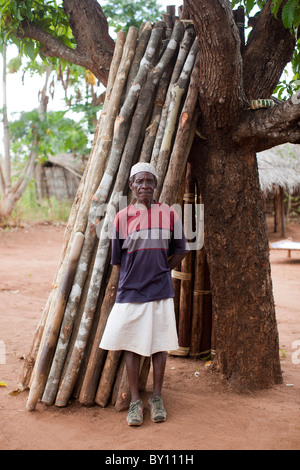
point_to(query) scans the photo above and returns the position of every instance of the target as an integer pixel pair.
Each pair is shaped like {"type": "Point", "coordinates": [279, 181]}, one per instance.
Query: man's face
{"type": "Point", "coordinates": [143, 186]}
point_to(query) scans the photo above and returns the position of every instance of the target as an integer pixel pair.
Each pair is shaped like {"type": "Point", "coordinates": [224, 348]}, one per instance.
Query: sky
{"type": "Point", "coordinates": [23, 95]}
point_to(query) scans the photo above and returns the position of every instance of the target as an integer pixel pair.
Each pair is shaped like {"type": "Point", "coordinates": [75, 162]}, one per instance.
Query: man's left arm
{"type": "Point", "coordinates": [175, 260]}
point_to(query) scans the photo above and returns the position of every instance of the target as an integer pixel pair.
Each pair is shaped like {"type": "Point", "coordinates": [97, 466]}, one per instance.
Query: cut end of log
{"type": "Point", "coordinates": [30, 406]}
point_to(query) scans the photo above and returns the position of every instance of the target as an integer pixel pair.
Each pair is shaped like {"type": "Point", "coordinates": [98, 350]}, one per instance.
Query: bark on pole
{"type": "Point", "coordinates": [52, 333]}
{"type": "Point", "coordinates": [183, 52]}
{"type": "Point", "coordinates": [107, 378]}
{"type": "Point", "coordinates": [178, 90]}
{"type": "Point", "coordinates": [183, 141]}
{"type": "Point", "coordinates": [97, 355]}
{"type": "Point", "coordinates": [197, 307]}
{"type": "Point", "coordinates": [106, 131]}
{"type": "Point", "coordinates": [184, 323]}
{"type": "Point", "coordinates": [29, 362]}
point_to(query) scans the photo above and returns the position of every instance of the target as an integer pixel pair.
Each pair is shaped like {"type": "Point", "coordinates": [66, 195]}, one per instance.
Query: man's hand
{"type": "Point", "coordinates": [175, 260]}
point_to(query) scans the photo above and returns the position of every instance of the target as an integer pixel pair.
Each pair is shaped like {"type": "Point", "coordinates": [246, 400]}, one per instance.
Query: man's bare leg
{"type": "Point", "coordinates": [159, 364]}
{"type": "Point", "coordinates": [133, 367]}
{"type": "Point", "coordinates": [157, 410]}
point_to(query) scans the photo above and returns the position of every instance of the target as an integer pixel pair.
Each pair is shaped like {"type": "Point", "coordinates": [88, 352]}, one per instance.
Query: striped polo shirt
{"type": "Point", "coordinates": [142, 242]}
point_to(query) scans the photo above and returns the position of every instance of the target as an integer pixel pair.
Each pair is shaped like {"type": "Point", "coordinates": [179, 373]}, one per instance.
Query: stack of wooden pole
{"type": "Point", "coordinates": [191, 280]}
{"type": "Point", "coordinates": [149, 114]}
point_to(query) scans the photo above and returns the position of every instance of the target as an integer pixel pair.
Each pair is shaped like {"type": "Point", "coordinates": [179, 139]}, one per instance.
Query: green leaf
{"type": "Point", "coordinates": [249, 5]}
{"type": "Point", "coordinates": [275, 7]}
{"type": "Point", "coordinates": [29, 49]}
{"type": "Point", "coordinates": [290, 14]}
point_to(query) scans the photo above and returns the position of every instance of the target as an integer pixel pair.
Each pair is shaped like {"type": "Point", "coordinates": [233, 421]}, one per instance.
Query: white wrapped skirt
{"type": "Point", "coordinates": [143, 328]}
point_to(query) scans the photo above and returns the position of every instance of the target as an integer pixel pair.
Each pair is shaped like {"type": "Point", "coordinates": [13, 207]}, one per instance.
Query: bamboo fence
{"type": "Point", "coordinates": [149, 114]}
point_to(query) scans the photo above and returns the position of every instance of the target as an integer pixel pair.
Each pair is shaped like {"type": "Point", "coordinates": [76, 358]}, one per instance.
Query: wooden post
{"type": "Point", "coordinates": [185, 305]}
{"type": "Point", "coordinates": [184, 137]}
{"type": "Point", "coordinates": [177, 93]}
{"type": "Point", "coordinates": [107, 379]}
{"type": "Point", "coordinates": [97, 356]}
{"type": "Point", "coordinates": [53, 331]}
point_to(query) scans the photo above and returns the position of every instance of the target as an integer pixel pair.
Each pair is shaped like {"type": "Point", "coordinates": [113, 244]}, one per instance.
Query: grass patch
{"type": "Point", "coordinates": [30, 210]}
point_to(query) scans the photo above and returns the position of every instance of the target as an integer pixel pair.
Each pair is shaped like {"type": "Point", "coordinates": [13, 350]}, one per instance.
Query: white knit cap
{"type": "Point", "coordinates": [138, 167]}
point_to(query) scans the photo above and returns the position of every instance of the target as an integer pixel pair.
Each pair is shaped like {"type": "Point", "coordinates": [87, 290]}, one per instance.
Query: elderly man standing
{"type": "Point", "coordinates": [148, 242]}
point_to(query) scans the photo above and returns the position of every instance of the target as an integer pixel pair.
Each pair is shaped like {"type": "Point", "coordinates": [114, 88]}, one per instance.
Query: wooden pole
{"type": "Point", "coordinates": [53, 331]}
{"type": "Point", "coordinates": [166, 130]}
{"type": "Point", "coordinates": [107, 378]}
{"type": "Point", "coordinates": [185, 305]}
{"type": "Point", "coordinates": [197, 309]}
{"type": "Point", "coordinates": [181, 58]}
{"type": "Point", "coordinates": [184, 137]}
{"type": "Point", "coordinates": [97, 356]}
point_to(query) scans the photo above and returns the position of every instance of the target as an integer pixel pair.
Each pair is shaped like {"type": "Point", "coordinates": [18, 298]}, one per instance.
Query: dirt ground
{"type": "Point", "coordinates": [202, 413]}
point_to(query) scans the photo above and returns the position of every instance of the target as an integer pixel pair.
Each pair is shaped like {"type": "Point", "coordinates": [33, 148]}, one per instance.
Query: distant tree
{"type": "Point", "coordinates": [30, 139]}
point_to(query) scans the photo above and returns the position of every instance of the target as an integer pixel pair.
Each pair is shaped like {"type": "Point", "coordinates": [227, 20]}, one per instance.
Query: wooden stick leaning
{"type": "Point", "coordinates": [101, 195]}
{"type": "Point", "coordinates": [69, 235]}
{"type": "Point", "coordinates": [90, 233]}
{"type": "Point", "coordinates": [181, 58]}
{"type": "Point", "coordinates": [151, 130]}
{"type": "Point", "coordinates": [72, 368]}
{"type": "Point", "coordinates": [29, 362]}
{"type": "Point", "coordinates": [105, 136]}
{"type": "Point", "coordinates": [107, 378]}
{"type": "Point", "coordinates": [143, 41]}
{"type": "Point", "coordinates": [178, 91]}
{"type": "Point", "coordinates": [184, 324]}
{"type": "Point", "coordinates": [52, 332]}
{"type": "Point", "coordinates": [97, 355]}
{"type": "Point", "coordinates": [197, 309]}
{"type": "Point", "coordinates": [184, 137]}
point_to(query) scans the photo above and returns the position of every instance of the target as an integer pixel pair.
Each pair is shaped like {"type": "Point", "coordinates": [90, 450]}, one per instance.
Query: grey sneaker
{"type": "Point", "coordinates": [157, 410]}
{"type": "Point", "coordinates": [135, 414]}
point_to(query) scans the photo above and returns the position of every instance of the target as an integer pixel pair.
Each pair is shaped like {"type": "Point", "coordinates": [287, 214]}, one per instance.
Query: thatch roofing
{"type": "Point", "coordinates": [67, 161]}
{"type": "Point", "coordinates": [280, 166]}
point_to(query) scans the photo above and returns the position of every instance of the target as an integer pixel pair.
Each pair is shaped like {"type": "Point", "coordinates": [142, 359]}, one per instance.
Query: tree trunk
{"type": "Point", "coordinates": [247, 349]}
{"type": "Point", "coordinates": [236, 242]}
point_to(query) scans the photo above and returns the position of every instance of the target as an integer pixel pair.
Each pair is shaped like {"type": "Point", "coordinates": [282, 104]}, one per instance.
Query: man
{"type": "Point", "coordinates": [148, 242]}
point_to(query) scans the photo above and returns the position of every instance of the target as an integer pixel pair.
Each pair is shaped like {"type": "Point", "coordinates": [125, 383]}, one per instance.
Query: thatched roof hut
{"type": "Point", "coordinates": [279, 173]}
{"type": "Point", "coordinates": [280, 167]}
{"type": "Point", "coordinates": [59, 176]}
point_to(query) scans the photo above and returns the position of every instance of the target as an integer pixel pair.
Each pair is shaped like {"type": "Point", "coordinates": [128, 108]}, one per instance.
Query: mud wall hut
{"type": "Point", "coordinates": [59, 176]}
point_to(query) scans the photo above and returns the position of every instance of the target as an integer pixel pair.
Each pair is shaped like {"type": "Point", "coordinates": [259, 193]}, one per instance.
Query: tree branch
{"type": "Point", "coordinates": [269, 48]}
{"type": "Point", "coordinates": [53, 47]}
{"type": "Point", "coordinates": [95, 47]}
{"type": "Point", "coordinates": [270, 127]}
